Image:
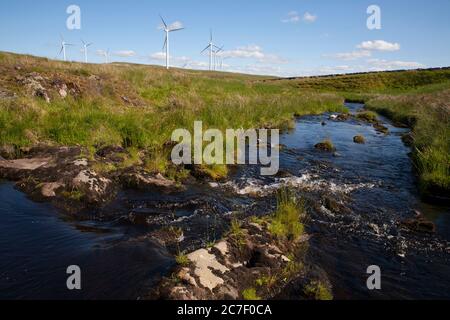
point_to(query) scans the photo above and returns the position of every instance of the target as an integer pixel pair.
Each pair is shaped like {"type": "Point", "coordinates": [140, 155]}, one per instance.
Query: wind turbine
{"type": "Point", "coordinates": [215, 56]}
{"type": "Point", "coordinates": [64, 44]}
{"type": "Point", "coordinates": [168, 29]}
{"type": "Point", "coordinates": [85, 48]}
{"type": "Point", "coordinates": [211, 46]}
{"type": "Point", "coordinates": [105, 54]}
{"type": "Point", "coordinates": [221, 61]}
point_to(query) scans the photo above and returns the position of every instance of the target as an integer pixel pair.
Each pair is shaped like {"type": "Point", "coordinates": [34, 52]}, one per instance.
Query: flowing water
{"type": "Point", "coordinates": [374, 184]}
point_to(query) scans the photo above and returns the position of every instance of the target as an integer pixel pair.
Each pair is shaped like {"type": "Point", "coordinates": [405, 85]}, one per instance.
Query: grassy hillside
{"type": "Point", "coordinates": [376, 82]}
{"type": "Point", "coordinates": [43, 101]}
{"type": "Point", "coordinates": [138, 107]}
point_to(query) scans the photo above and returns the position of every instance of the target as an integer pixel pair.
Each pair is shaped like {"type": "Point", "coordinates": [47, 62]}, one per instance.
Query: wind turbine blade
{"type": "Point", "coordinates": [206, 48]}
{"type": "Point", "coordinates": [210, 35]}
{"type": "Point", "coordinates": [62, 48]}
{"type": "Point", "coordinates": [162, 19]}
{"type": "Point", "coordinates": [84, 43]}
{"type": "Point", "coordinates": [219, 49]}
{"type": "Point", "coordinates": [177, 29]}
{"type": "Point", "coordinates": [165, 43]}
{"type": "Point", "coordinates": [89, 44]}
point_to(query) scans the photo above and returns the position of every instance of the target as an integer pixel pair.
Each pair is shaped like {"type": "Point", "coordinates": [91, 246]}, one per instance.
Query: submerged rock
{"type": "Point", "coordinates": [381, 128]}
{"type": "Point", "coordinates": [326, 146]}
{"type": "Point", "coordinates": [359, 140]}
{"type": "Point", "coordinates": [419, 224]}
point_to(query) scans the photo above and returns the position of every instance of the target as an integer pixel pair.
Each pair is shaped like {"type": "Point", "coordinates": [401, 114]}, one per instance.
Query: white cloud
{"type": "Point", "coordinates": [310, 18]}
{"type": "Point", "coordinates": [158, 56]}
{"type": "Point", "coordinates": [379, 45]}
{"type": "Point", "coordinates": [175, 25]}
{"type": "Point", "coordinates": [292, 17]}
{"type": "Point", "coordinates": [350, 55]}
{"type": "Point", "coordinates": [125, 53]}
{"type": "Point", "coordinates": [381, 64]}
{"type": "Point", "coordinates": [253, 52]}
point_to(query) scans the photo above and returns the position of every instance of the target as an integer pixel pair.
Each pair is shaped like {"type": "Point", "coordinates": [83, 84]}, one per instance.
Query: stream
{"type": "Point", "coordinates": [373, 183]}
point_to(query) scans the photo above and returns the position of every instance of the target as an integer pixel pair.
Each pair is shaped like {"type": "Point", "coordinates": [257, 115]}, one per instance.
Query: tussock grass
{"type": "Point", "coordinates": [286, 221]}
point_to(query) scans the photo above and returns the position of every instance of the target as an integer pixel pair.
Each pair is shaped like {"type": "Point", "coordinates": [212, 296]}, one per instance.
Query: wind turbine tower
{"type": "Point", "coordinates": [64, 44]}
{"type": "Point", "coordinates": [168, 29]}
{"type": "Point", "coordinates": [211, 46]}
{"type": "Point", "coordinates": [85, 49]}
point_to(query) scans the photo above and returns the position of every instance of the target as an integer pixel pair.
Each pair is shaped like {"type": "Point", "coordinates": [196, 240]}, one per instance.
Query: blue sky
{"type": "Point", "coordinates": [287, 38]}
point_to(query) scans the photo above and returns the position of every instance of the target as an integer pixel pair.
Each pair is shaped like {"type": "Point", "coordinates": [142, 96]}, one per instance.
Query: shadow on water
{"type": "Point", "coordinates": [373, 181]}
{"type": "Point", "coordinates": [37, 246]}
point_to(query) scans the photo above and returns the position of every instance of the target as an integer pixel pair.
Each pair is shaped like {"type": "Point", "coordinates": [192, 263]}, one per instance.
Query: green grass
{"type": "Point", "coordinates": [368, 116]}
{"type": "Point", "coordinates": [162, 102]}
{"type": "Point", "coordinates": [429, 116]}
{"type": "Point", "coordinates": [326, 145]}
{"type": "Point", "coordinates": [286, 221]}
{"type": "Point", "coordinates": [182, 259]}
{"type": "Point", "coordinates": [74, 195]}
{"type": "Point", "coordinates": [166, 100]}
{"type": "Point", "coordinates": [378, 82]}
{"type": "Point", "coordinates": [318, 291]}
{"type": "Point", "coordinates": [250, 295]}
{"type": "Point", "coordinates": [419, 99]}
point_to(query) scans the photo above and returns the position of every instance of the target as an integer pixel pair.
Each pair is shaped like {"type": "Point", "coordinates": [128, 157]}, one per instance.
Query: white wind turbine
{"type": "Point", "coordinates": [168, 29]}
{"type": "Point", "coordinates": [106, 54]}
{"type": "Point", "coordinates": [215, 56]}
{"type": "Point", "coordinates": [85, 49]}
{"type": "Point", "coordinates": [211, 46]}
{"type": "Point", "coordinates": [64, 44]}
{"type": "Point", "coordinates": [222, 58]}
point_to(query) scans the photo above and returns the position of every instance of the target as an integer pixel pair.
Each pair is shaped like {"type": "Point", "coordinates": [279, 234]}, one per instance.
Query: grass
{"type": "Point", "coordinates": [368, 116]}
{"type": "Point", "coordinates": [250, 295]}
{"type": "Point", "coordinates": [74, 195]}
{"type": "Point", "coordinates": [377, 82]}
{"type": "Point", "coordinates": [182, 259]}
{"type": "Point", "coordinates": [266, 282]}
{"type": "Point", "coordinates": [318, 291]}
{"type": "Point", "coordinates": [429, 115]}
{"type": "Point", "coordinates": [326, 145]}
{"type": "Point", "coordinates": [138, 107]}
{"type": "Point", "coordinates": [286, 221]}
{"type": "Point", "coordinates": [419, 99]}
